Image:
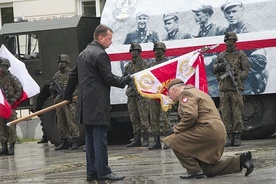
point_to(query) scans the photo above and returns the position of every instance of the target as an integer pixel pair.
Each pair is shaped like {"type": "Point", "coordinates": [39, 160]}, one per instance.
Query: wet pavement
{"type": "Point", "coordinates": [40, 163]}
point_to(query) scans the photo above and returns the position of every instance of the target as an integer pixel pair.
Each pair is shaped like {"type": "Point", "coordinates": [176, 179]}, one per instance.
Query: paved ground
{"type": "Point", "coordinates": [40, 163]}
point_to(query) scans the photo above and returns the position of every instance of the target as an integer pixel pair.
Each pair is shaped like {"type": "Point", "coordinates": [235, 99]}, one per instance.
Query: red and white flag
{"type": "Point", "coordinates": [152, 82]}
{"type": "Point", "coordinates": [5, 108]}
{"type": "Point", "coordinates": [18, 68]}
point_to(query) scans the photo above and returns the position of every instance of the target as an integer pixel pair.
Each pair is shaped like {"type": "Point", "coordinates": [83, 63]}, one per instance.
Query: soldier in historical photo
{"type": "Point", "coordinates": [171, 24]}
{"type": "Point", "coordinates": [202, 16]}
{"type": "Point", "coordinates": [12, 89]}
{"type": "Point", "coordinates": [137, 105]}
{"type": "Point", "coordinates": [65, 114]}
{"type": "Point", "coordinates": [141, 34]}
{"type": "Point", "coordinates": [231, 68]}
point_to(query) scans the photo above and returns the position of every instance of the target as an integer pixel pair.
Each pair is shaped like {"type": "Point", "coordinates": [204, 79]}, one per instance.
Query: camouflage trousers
{"type": "Point", "coordinates": [66, 121]}
{"type": "Point", "coordinates": [155, 110]}
{"type": "Point", "coordinates": [231, 106]}
{"type": "Point", "coordinates": [139, 113]}
{"type": "Point", "coordinates": [8, 133]}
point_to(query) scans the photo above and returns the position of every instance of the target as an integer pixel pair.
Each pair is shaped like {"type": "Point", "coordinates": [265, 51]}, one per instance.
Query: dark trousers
{"type": "Point", "coordinates": [96, 150]}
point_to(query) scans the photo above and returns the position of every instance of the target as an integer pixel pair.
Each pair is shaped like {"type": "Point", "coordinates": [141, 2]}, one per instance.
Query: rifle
{"type": "Point", "coordinates": [57, 90]}
{"type": "Point", "coordinates": [229, 72]}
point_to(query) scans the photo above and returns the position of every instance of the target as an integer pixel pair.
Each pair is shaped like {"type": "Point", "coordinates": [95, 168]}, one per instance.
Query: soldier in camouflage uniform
{"type": "Point", "coordinates": [137, 105]}
{"type": "Point", "coordinates": [231, 99]}
{"type": "Point", "coordinates": [65, 114]}
{"type": "Point", "coordinates": [159, 49]}
{"type": "Point", "coordinates": [12, 90]}
{"type": "Point", "coordinates": [256, 81]}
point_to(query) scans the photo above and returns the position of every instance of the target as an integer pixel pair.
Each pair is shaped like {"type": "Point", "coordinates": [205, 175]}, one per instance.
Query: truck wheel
{"type": "Point", "coordinates": [50, 128]}
{"type": "Point", "coordinates": [259, 116]}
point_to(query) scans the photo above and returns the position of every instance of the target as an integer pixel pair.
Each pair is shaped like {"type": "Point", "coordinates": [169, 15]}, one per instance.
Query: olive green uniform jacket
{"type": "Point", "coordinates": [200, 133]}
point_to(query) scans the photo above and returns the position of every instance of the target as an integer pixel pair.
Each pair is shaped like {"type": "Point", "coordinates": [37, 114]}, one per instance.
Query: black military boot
{"type": "Point", "coordinates": [229, 140]}
{"type": "Point", "coordinates": [75, 144]}
{"type": "Point", "coordinates": [4, 149]}
{"type": "Point", "coordinates": [11, 149]}
{"type": "Point", "coordinates": [246, 162]}
{"type": "Point", "coordinates": [137, 140]}
{"type": "Point", "coordinates": [237, 139]}
{"type": "Point", "coordinates": [63, 144]}
{"type": "Point", "coordinates": [145, 139]}
{"type": "Point", "coordinates": [43, 140]}
{"type": "Point", "coordinates": [157, 143]}
{"type": "Point", "coordinates": [165, 146]}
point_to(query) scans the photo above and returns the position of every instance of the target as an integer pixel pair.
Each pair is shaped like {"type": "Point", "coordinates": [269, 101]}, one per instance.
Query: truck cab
{"type": "Point", "coordinates": [37, 44]}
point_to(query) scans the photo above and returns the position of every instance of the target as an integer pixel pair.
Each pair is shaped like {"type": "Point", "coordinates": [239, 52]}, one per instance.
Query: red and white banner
{"type": "Point", "coordinates": [18, 68]}
{"type": "Point", "coordinates": [5, 108]}
{"type": "Point", "coordinates": [152, 82]}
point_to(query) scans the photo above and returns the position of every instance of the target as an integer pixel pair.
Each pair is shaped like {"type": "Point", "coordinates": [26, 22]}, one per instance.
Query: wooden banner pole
{"type": "Point", "coordinates": [40, 112]}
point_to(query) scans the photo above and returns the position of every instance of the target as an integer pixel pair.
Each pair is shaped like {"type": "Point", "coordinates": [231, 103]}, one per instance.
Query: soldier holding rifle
{"type": "Point", "coordinates": [65, 114]}
{"type": "Point", "coordinates": [231, 69]}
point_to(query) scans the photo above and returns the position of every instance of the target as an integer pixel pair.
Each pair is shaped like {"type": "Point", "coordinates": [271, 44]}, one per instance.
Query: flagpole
{"type": "Point", "coordinates": [14, 122]}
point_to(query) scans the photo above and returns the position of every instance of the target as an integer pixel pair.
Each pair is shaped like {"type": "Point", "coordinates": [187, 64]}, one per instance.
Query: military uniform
{"type": "Point", "coordinates": [231, 99]}
{"type": "Point", "coordinates": [141, 36]}
{"type": "Point", "coordinates": [156, 110]}
{"type": "Point", "coordinates": [258, 74]}
{"type": "Point", "coordinates": [209, 30]}
{"type": "Point", "coordinates": [137, 105]}
{"type": "Point", "coordinates": [12, 89]}
{"type": "Point", "coordinates": [155, 106]}
{"type": "Point", "coordinates": [65, 115]}
{"type": "Point", "coordinates": [198, 139]}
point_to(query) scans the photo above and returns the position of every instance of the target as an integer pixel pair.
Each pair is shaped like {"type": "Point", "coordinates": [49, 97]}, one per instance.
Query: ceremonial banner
{"type": "Point", "coordinates": [18, 68]}
{"type": "Point", "coordinates": [152, 82]}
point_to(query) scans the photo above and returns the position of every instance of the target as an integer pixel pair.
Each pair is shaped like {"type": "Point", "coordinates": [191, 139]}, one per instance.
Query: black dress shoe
{"type": "Point", "coordinates": [198, 175]}
{"type": "Point", "coordinates": [246, 162]}
{"type": "Point", "coordinates": [111, 177]}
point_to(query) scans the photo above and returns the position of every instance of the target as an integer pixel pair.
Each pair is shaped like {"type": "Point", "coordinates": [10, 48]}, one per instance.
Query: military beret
{"type": "Point", "coordinates": [204, 8]}
{"type": "Point", "coordinates": [142, 13]}
{"type": "Point", "coordinates": [230, 3]}
{"type": "Point", "coordinates": [169, 16]}
{"type": "Point", "coordinates": [174, 82]}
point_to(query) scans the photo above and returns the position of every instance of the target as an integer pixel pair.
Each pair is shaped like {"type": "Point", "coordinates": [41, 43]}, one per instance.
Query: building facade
{"type": "Point", "coordinates": [32, 10]}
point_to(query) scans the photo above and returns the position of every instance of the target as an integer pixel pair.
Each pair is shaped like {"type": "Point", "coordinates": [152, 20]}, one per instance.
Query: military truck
{"type": "Point", "coordinates": [37, 44]}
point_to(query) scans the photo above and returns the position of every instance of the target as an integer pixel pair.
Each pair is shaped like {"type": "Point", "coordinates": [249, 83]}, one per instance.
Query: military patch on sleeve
{"type": "Point", "coordinates": [185, 99]}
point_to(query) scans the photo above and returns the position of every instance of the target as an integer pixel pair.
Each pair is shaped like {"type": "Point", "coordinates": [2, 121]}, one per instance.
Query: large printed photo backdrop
{"type": "Point", "coordinates": [120, 15]}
